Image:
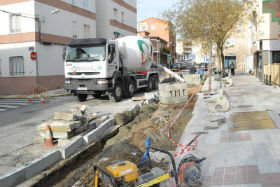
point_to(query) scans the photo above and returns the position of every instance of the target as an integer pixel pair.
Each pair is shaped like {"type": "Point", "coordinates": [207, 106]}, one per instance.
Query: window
{"type": "Point", "coordinates": [15, 24]}
{"type": "Point", "coordinates": [122, 17]}
{"type": "Point", "coordinates": [153, 27]}
{"type": "Point", "coordinates": [86, 54]}
{"type": "Point", "coordinates": [275, 56]}
{"type": "Point", "coordinates": [73, 2]}
{"type": "Point", "coordinates": [111, 53]}
{"type": "Point", "coordinates": [86, 31]}
{"type": "Point", "coordinates": [115, 13]}
{"type": "Point", "coordinates": [74, 29]}
{"type": "Point", "coordinates": [86, 4]}
{"type": "Point", "coordinates": [142, 27]}
{"type": "Point", "coordinates": [16, 65]}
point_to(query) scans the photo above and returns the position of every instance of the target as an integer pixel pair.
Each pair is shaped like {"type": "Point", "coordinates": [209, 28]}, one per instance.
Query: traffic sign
{"type": "Point", "coordinates": [33, 55]}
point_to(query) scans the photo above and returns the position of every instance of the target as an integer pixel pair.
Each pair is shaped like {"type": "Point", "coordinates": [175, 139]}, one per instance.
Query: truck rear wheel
{"type": "Point", "coordinates": [155, 82]}
{"type": "Point", "coordinates": [131, 88]}
{"type": "Point", "coordinates": [150, 84]}
{"type": "Point", "coordinates": [82, 97]}
{"type": "Point", "coordinates": [116, 94]}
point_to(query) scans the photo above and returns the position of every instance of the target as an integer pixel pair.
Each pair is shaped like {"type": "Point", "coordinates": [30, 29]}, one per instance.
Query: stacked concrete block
{"type": "Point", "coordinates": [67, 125]}
{"type": "Point", "coordinates": [192, 79]}
{"type": "Point", "coordinates": [60, 129]}
{"type": "Point", "coordinates": [173, 93]}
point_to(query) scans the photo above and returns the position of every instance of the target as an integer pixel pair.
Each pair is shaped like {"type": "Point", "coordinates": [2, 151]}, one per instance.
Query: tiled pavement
{"type": "Point", "coordinates": [248, 158]}
{"type": "Point", "coordinates": [239, 175]}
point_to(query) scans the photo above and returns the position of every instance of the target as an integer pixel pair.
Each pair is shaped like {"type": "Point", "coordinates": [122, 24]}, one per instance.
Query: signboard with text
{"type": "Point", "coordinates": [273, 7]}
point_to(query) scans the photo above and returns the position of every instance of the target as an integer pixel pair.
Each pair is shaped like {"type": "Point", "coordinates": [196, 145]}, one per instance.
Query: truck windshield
{"type": "Point", "coordinates": [86, 54]}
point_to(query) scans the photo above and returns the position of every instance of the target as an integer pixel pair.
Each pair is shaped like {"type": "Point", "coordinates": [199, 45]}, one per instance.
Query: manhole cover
{"type": "Point", "coordinates": [242, 121]}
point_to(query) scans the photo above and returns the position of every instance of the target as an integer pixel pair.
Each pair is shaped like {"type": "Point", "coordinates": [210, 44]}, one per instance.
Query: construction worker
{"type": "Point", "coordinates": [232, 68]}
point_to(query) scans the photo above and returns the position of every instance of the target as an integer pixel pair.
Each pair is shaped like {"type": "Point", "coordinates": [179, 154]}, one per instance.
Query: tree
{"type": "Point", "coordinates": [208, 20]}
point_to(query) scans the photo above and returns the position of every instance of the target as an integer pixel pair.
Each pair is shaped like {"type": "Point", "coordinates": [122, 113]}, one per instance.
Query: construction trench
{"type": "Point", "coordinates": [124, 143]}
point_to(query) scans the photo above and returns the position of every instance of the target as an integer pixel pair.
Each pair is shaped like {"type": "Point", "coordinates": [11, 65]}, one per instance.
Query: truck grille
{"type": "Point", "coordinates": [85, 73]}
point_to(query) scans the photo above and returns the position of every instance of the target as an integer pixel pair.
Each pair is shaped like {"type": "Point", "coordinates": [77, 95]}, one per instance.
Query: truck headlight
{"type": "Point", "coordinates": [67, 82]}
{"type": "Point", "coordinates": [102, 82]}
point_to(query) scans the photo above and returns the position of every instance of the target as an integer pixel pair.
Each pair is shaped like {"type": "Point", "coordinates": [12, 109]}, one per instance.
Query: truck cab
{"type": "Point", "coordinates": [94, 67]}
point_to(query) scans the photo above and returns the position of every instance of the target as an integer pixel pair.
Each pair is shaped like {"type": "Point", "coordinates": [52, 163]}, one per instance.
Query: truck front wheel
{"type": "Point", "coordinates": [116, 94]}
{"type": "Point", "coordinates": [82, 97]}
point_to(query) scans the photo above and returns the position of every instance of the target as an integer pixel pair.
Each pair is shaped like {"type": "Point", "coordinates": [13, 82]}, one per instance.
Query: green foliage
{"type": "Point", "coordinates": [208, 20]}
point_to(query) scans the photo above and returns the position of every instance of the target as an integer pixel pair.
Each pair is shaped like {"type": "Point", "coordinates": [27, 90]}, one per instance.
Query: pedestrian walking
{"type": "Point", "coordinates": [201, 73]}
{"type": "Point", "coordinates": [232, 68]}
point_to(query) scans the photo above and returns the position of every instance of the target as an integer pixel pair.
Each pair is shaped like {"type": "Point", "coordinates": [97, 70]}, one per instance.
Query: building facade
{"type": "Point", "coordinates": [238, 48]}
{"type": "Point", "coordinates": [116, 18]}
{"type": "Point", "coordinates": [266, 36]}
{"type": "Point", "coordinates": [159, 28]}
{"type": "Point", "coordinates": [30, 25]}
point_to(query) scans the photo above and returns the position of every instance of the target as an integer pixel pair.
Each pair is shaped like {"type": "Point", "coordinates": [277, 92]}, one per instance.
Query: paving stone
{"type": "Point", "coordinates": [65, 116]}
{"type": "Point", "coordinates": [59, 126]}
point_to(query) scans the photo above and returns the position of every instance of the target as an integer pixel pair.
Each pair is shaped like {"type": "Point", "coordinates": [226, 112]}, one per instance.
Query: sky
{"type": "Point", "coordinates": [152, 8]}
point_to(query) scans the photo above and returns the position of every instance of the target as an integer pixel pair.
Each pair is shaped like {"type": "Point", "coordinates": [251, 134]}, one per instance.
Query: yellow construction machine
{"type": "Point", "coordinates": [125, 173]}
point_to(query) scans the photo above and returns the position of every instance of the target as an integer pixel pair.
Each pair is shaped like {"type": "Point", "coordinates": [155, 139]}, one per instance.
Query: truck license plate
{"type": "Point", "coordinates": [82, 88]}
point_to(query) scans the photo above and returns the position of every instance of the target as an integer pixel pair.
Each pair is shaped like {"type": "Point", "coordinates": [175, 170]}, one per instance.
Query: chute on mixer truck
{"type": "Point", "coordinates": [114, 67]}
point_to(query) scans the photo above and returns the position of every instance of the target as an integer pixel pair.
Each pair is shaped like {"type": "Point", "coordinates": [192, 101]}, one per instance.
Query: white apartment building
{"type": "Point", "coordinates": [116, 18]}
{"type": "Point", "coordinates": [43, 26]}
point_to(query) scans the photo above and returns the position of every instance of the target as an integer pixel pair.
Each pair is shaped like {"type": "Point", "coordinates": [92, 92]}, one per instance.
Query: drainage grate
{"type": "Point", "coordinates": [242, 121]}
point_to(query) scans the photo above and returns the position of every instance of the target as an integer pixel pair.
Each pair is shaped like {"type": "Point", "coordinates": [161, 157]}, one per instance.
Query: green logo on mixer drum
{"type": "Point", "coordinates": [140, 45]}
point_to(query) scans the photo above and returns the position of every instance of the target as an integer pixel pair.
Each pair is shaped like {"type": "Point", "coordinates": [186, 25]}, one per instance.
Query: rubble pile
{"type": "Point", "coordinates": [129, 143]}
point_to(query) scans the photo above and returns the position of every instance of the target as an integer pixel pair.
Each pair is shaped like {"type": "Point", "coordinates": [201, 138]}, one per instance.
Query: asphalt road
{"type": "Point", "coordinates": [34, 110]}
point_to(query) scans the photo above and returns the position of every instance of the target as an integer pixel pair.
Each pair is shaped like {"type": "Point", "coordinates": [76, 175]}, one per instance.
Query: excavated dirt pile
{"type": "Point", "coordinates": [129, 143]}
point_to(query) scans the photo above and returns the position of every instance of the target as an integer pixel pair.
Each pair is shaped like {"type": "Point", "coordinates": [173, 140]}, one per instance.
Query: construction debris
{"type": "Point", "coordinates": [142, 98]}
{"type": "Point", "coordinates": [228, 81]}
{"type": "Point", "coordinates": [173, 93]}
{"type": "Point", "coordinates": [65, 116]}
{"type": "Point", "coordinates": [219, 102]}
{"type": "Point", "coordinates": [66, 125]}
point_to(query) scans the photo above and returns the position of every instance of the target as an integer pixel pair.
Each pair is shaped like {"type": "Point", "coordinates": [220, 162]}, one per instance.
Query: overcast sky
{"type": "Point", "coordinates": [152, 8]}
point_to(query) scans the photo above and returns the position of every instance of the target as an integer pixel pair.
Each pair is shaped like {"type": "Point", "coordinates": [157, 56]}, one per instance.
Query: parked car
{"type": "Point", "coordinates": [176, 66]}
{"type": "Point", "coordinates": [182, 65]}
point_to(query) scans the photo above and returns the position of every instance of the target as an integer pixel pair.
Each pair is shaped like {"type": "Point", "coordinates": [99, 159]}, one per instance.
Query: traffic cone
{"type": "Point", "coordinates": [48, 142]}
{"type": "Point", "coordinates": [30, 99]}
{"type": "Point", "coordinates": [42, 100]}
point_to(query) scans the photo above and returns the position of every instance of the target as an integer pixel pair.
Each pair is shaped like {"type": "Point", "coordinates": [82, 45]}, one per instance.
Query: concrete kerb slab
{"type": "Point", "coordinates": [68, 150]}
{"type": "Point", "coordinates": [20, 175]}
{"type": "Point", "coordinates": [98, 132]}
{"type": "Point", "coordinates": [42, 163]}
{"type": "Point", "coordinates": [13, 178]}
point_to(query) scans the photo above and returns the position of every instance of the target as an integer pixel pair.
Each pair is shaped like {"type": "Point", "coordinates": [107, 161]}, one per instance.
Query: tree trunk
{"type": "Point", "coordinates": [222, 60]}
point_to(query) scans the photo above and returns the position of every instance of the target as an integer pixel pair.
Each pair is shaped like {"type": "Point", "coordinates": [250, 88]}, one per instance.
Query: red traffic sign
{"type": "Point", "coordinates": [33, 55]}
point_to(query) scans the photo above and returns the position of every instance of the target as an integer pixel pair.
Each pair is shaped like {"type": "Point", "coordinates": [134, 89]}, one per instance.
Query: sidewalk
{"type": "Point", "coordinates": [51, 93]}
{"type": "Point", "coordinates": [238, 154]}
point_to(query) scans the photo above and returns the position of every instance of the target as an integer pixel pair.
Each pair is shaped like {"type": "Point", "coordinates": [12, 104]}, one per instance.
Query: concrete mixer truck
{"type": "Point", "coordinates": [114, 67]}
